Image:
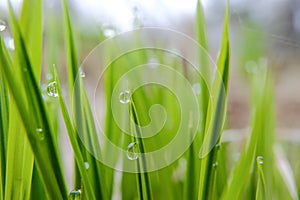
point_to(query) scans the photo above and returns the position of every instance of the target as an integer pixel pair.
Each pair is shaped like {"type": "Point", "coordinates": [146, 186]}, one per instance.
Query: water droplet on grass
{"type": "Point", "coordinates": [124, 97]}
{"type": "Point", "coordinates": [132, 151]}
{"type": "Point", "coordinates": [2, 25]}
{"type": "Point", "coordinates": [260, 160]}
{"type": "Point", "coordinates": [52, 90]}
{"type": "Point", "coordinates": [40, 133]}
{"type": "Point", "coordinates": [74, 194]}
{"type": "Point", "coordinates": [86, 165]}
{"type": "Point", "coordinates": [81, 73]}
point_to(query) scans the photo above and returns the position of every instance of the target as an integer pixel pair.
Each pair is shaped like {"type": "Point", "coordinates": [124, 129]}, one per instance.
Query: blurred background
{"type": "Point", "coordinates": [264, 31]}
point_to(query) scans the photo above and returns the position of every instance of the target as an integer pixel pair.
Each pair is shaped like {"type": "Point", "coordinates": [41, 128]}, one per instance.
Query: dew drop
{"type": "Point", "coordinates": [81, 73]}
{"type": "Point", "coordinates": [2, 25]}
{"type": "Point", "coordinates": [52, 90]}
{"type": "Point", "coordinates": [132, 151]}
{"type": "Point", "coordinates": [86, 165]}
{"type": "Point", "coordinates": [74, 194]}
{"type": "Point", "coordinates": [40, 133]}
{"type": "Point", "coordinates": [124, 97]}
{"type": "Point", "coordinates": [260, 160]}
{"type": "Point", "coordinates": [215, 165]}
{"type": "Point", "coordinates": [218, 146]}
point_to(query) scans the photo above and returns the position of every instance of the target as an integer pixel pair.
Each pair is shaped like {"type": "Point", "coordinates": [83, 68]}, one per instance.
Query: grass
{"type": "Point", "coordinates": [31, 163]}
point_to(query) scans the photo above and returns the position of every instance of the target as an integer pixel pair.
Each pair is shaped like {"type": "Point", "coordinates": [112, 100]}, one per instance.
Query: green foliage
{"type": "Point", "coordinates": [30, 162]}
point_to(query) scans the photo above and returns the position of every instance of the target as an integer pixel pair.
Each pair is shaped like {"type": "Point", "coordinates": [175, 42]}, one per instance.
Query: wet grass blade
{"type": "Point", "coordinates": [84, 121]}
{"type": "Point", "coordinates": [88, 189]}
{"type": "Point", "coordinates": [24, 89]}
{"type": "Point", "coordinates": [143, 180]}
{"type": "Point", "coordinates": [261, 183]}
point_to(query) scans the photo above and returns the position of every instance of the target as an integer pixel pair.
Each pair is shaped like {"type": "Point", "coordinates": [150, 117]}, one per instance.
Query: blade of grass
{"type": "Point", "coordinates": [46, 153]}
{"type": "Point", "coordinates": [88, 189]}
{"type": "Point", "coordinates": [31, 28]}
{"type": "Point", "coordinates": [144, 186]}
{"type": "Point", "coordinates": [84, 119]}
{"type": "Point", "coordinates": [193, 163]}
{"type": "Point", "coordinates": [261, 184]}
{"type": "Point", "coordinates": [4, 121]}
{"type": "Point", "coordinates": [260, 126]}
{"type": "Point", "coordinates": [19, 149]}
{"type": "Point", "coordinates": [19, 164]}
{"type": "Point", "coordinates": [215, 117]}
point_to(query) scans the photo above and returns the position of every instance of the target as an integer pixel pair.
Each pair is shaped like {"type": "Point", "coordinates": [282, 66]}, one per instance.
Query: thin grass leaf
{"type": "Point", "coordinates": [31, 28]}
{"type": "Point", "coordinates": [19, 184]}
{"type": "Point", "coordinates": [215, 117]}
{"type": "Point", "coordinates": [46, 153]}
{"type": "Point", "coordinates": [20, 163]}
{"type": "Point", "coordinates": [4, 121]}
{"type": "Point", "coordinates": [144, 186]}
{"type": "Point", "coordinates": [261, 184]}
{"type": "Point", "coordinates": [72, 65]}
{"type": "Point", "coordinates": [193, 163]}
{"type": "Point", "coordinates": [88, 188]}
{"type": "Point", "coordinates": [262, 107]}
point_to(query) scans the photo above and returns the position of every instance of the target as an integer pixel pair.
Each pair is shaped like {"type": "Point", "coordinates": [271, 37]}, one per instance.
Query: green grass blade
{"type": "Point", "coordinates": [83, 115]}
{"type": "Point", "coordinates": [144, 186]}
{"type": "Point", "coordinates": [261, 127]}
{"type": "Point", "coordinates": [19, 184]}
{"type": "Point", "coordinates": [20, 163]}
{"type": "Point", "coordinates": [46, 153]}
{"type": "Point", "coordinates": [261, 183]}
{"type": "Point", "coordinates": [88, 191]}
{"type": "Point", "coordinates": [193, 163]}
{"type": "Point", "coordinates": [4, 121]}
{"type": "Point", "coordinates": [31, 28]}
{"type": "Point", "coordinates": [215, 117]}
{"type": "Point", "coordinates": [70, 46]}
